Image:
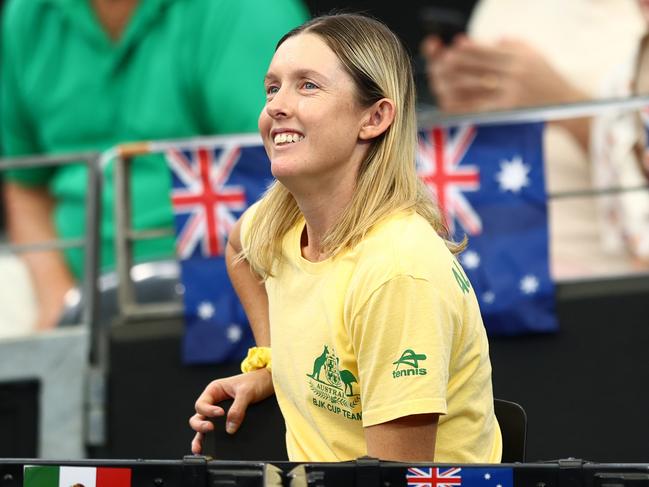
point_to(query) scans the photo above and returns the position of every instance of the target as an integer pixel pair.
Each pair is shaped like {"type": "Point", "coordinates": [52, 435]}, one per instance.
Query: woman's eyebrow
{"type": "Point", "coordinates": [299, 73]}
{"type": "Point", "coordinates": [310, 73]}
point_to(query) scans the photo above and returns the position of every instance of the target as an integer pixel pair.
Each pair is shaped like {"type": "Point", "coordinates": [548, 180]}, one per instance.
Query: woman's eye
{"type": "Point", "coordinates": [310, 86]}
{"type": "Point", "coordinates": [271, 90]}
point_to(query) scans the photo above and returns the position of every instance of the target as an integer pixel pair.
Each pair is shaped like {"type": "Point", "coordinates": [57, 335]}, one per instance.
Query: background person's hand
{"type": "Point", "coordinates": [469, 76]}
{"type": "Point", "coordinates": [245, 389]}
{"type": "Point", "coordinates": [431, 50]}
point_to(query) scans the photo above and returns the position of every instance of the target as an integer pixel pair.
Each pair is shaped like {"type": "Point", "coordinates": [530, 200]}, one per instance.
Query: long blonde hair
{"type": "Point", "coordinates": [387, 180]}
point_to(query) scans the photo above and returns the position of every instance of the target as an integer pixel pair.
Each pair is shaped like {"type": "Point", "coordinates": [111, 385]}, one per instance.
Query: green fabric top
{"type": "Point", "coordinates": [181, 68]}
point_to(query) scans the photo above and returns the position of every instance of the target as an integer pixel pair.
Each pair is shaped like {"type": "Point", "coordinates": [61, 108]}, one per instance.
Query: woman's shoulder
{"type": "Point", "coordinates": [405, 230]}
{"type": "Point", "coordinates": [405, 243]}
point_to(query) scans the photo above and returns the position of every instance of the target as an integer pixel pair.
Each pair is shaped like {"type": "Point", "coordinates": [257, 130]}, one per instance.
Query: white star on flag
{"type": "Point", "coordinates": [529, 284]}
{"type": "Point", "coordinates": [488, 297]}
{"type": "Point", "coordinates": [487, 476]}
{"type": "Point", "coordinates": [234, 333]}
{"type": "Point", "coordinates": [513, 175]}
{"type": "Point", "coordinates": [206, 310]}
{"type": "Point", "coordinates": [470, 259]}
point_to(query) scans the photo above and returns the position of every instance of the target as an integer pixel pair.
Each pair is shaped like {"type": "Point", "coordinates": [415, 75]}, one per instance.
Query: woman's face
{"type": "Point", "coordinates": [311, 121]}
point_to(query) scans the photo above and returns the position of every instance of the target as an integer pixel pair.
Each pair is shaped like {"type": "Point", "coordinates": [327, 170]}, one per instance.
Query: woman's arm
{"type": "Point", "coordinates": [411, 438]}
{"type": "Point", "coordinates": [249, 288]}
{"type": "Point", "coordinates": [412, 318]}
{"type": "Point", "coordinates": [247, 388]}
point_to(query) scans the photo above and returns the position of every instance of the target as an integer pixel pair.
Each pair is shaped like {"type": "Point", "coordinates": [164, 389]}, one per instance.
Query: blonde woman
{"type": "Point", "coordinates": [345, 267]}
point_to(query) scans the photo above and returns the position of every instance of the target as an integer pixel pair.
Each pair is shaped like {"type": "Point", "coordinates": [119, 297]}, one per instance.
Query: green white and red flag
{"type": "Point", "coordinates": [56, 476]}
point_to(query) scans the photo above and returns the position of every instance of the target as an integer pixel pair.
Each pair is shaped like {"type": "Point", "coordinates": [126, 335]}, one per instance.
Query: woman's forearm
{"type": "Point", "coordinates": [249, 288]}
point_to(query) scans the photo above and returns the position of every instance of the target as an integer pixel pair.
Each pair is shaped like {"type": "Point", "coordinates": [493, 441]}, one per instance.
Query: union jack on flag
{"type": "Point", "coordinates": [433, 477]}
{"type": "Point", "coordinates": [204, 197]}
{"type": "Point", "coordinates": [212, 185]}
{"type": "Point", "coordinates": [441, 152]}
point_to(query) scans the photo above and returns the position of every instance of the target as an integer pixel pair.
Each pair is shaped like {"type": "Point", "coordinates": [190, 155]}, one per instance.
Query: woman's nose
{"type": "Point", "coordinates": [279, 106]}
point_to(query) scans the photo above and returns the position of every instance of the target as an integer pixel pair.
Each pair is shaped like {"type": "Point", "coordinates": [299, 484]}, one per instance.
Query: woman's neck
{"type": "Point", "coordinates": [114, 15]}
{"type": "Point", "coordinates": [321, 211]}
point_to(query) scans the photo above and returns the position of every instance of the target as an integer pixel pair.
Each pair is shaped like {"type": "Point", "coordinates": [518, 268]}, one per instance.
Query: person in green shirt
{"type": "Point", "coordinates": [83, 75]}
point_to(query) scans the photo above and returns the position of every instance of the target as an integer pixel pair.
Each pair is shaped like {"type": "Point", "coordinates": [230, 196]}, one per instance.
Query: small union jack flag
{"type": "Point", "coordinates": [201, 194]}
{"type": "Point", "coordinates": [433, 477]}
{"type": "Point", "coordinates": [456, 476]}
{"type": "Point", "coordinates": [441, 152]}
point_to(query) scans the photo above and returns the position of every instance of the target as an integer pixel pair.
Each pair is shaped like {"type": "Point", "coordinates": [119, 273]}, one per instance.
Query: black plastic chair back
{"type": "Point", "coordinates": [513, 426]}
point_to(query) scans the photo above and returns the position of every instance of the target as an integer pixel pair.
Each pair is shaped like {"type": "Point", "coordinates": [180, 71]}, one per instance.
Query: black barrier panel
{"type": "Point", "coordinates": [365, 472]}
{"type": "Point", "coordinates": [19, 406]}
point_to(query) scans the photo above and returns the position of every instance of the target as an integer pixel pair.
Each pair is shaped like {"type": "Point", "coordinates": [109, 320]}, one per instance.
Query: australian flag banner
{"type": "Point", "coordinates": [211, 187]}
{"type": "Point", "coordinates": [490, 186]}
{"type": "Point", "coordinates": [492, 476]}
{"type": "Point", "coordinates": [488, 181]}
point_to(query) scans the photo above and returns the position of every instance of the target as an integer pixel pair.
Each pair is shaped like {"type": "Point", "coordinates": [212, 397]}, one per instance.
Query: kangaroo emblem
{"type": "Point", "coordinates": [318, 363]}
{"type": "Point", "coordinates": [348, 379]}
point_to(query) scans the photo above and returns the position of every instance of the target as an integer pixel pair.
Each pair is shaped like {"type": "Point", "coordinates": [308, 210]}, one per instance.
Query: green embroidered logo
{"type": "Point", "coordinates": [410, 359]}
{"type": "Point", "coordinates": [460, 277]}
{"type": "Point", "coordinates": [333, 389]}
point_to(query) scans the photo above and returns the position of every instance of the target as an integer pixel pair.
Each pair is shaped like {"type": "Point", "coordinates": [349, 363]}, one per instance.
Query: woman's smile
{"type": "Point", "coordinates": [286, 137]}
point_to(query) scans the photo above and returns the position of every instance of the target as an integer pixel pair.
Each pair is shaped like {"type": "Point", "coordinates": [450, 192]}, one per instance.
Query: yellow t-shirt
{"type": "Point", "coordinates": [388, 329]}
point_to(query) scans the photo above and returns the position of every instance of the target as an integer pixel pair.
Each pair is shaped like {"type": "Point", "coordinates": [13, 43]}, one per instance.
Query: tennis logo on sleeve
{"type": "Point", "coordinates": [409, 363]}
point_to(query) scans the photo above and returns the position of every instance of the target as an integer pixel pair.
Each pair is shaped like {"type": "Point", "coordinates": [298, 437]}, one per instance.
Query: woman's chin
{"type": "Point", "coordinates": [282, 170]}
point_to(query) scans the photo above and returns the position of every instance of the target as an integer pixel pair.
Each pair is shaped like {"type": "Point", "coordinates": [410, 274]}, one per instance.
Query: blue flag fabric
{"type": "Point", "coordinates": [490, 185]}
{"type": "Point", "coordinates": [211, 187]}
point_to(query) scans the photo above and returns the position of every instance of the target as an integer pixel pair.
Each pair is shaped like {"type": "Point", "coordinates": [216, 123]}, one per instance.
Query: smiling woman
{"type": "Point", "coordinates": [345, 266]}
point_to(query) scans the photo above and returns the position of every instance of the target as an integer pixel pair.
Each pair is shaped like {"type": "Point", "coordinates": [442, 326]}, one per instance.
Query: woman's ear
{"type": "Point", "coordinates": [378, 118]}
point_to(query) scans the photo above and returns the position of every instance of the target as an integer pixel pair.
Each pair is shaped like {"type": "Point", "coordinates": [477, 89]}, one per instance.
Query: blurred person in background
{"type": "Point", "coordinates": [84, 75]}
{"type": "Point", "coordinates": [522, 53]}
{"type": "Point", "coordinates": [618, 148]}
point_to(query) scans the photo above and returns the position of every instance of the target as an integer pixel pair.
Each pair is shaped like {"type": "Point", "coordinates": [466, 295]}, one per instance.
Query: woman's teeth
{"type": "Point", "coordinates": [285, 138]}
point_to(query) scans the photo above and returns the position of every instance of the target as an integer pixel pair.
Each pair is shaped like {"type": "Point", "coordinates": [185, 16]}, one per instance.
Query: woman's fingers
{"type": "Point", "coordinates": [200, 423]}
{"type": "Point", "coordinates": [244, 389]}
{"type": "Point", "coordinates": [197, 443]}
{"type": "Point", "coordinates": [251, 388]}
{"type": "Point", "coordinates": [206, 408]}
{"type": "Point", "coordinates": [237, 411]}
{"type": "Point", "coordinates": [206, 402]}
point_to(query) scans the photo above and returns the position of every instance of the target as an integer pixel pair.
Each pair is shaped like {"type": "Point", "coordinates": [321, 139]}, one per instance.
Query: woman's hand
{"type": "Point", "coordinates": [245, 389]}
